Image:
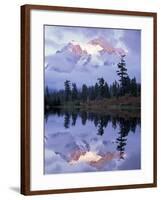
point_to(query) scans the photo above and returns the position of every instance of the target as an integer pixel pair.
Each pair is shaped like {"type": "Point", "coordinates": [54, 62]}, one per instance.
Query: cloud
{"type": "Point", "coordinates": [132, 39]}
{"type": "Point", "coordinates": [64, 34]}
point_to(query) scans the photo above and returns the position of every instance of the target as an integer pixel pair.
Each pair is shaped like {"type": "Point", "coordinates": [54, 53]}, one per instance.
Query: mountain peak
{"type": "Point", "coordinates": [75, 48]}
{"type": "Point", "coordinates": [84, 55]}
{"type": "Point", "coordinates": [106, 46]}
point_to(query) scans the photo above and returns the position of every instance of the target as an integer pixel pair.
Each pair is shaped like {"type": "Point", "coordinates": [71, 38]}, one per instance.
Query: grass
{"type": "Point", "coordinates": [123, 106]}
{"type": "Point", "coordinates": [125, 102]}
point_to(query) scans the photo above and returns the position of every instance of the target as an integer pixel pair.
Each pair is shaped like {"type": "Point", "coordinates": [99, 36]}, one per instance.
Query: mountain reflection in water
{"type": "Point", "coordinates": [81, 141]}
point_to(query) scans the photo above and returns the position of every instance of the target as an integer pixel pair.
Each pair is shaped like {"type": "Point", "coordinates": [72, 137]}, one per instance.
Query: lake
{"type": "Point", "coordinates": [85, 141]}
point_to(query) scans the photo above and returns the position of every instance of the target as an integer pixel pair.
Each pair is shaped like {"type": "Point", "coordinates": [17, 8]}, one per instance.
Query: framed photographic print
{"type": "Point", "coordinates": [88, 99]}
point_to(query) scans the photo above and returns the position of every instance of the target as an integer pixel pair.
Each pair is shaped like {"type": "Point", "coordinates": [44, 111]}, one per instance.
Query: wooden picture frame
{"type": "Point", "coordinates": [26, 81]}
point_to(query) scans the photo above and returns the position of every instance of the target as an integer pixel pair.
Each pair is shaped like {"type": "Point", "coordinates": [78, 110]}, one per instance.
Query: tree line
{"type": "Point", "coordinates": [100, 90]}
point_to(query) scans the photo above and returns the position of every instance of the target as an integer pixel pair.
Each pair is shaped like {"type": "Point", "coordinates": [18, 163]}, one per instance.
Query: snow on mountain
{"type": "Point", "coordinates": [107, 47]}
{"type": "Point", "coordinates": [84, 56]}
{"type": "Point", "coordinates": [88, 47]}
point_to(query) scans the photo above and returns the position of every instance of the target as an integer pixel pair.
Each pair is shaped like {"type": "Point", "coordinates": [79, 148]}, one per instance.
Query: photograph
{"type": "Point", "coordinates": [92, 99]}
{"type": "Point", "coordinates": [88, 103]}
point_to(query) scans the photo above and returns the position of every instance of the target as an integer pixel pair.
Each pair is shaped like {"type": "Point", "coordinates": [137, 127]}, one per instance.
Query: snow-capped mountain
{"type": "Point", "coordinates": [83, 56]}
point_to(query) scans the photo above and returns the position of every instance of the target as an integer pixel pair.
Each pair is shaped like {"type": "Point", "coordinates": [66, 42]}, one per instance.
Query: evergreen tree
{"type": "Point", "coordinates": [106, 91]}
{"type": "Point", "coordinates": [138, 89]}
{"type": "Point", "coordinates": [114, 89]}
{"type": "Point", "coordinates": [133, 88]}
{"type": "Point", "coordinates": [122, 73]}
{"type": "Point", "coordinates": [84, 92]}
{"type": "Point", "coordinates": [101, 86]}
{"type": "Point", "coordinates": [47, 97]}
{"type": "Point", "coordinates": [127, 85]}
{"type": "Point", "coordinates": [96, 91]}
{"type": "Point", "coordinates": [74, 92]}
{"type": "Point", "coordinates": [91, 91]}
{"type": "Point", "coordinates": [67, 90]}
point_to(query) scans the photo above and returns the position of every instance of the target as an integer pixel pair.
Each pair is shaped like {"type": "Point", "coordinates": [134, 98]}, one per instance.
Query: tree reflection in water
{"type": "Point", "coordinates": [124, 124]}
{"type": "Point", "coordinates": [66, 119]}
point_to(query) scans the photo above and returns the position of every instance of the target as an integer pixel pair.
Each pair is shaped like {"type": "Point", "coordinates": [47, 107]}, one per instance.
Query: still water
{"type": "Point", "coordinates": [80, 141]}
